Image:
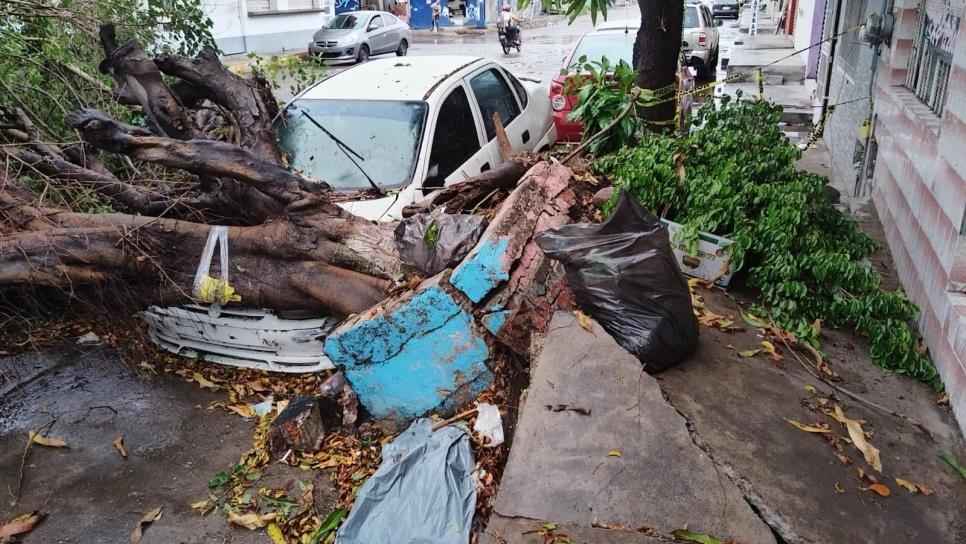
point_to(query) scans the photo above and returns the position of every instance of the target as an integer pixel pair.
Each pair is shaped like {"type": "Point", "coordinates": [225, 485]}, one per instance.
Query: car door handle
{"type": "Point", "coordinates": [526, 136]}
{"type": "Point", "coordinates": [485, 167]}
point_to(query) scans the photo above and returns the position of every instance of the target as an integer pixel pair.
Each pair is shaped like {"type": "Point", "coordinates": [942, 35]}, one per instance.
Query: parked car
{"type": "Point", "coordinates": [725, 8]}
{"type": "Point", "coordinates": [700, 39]}
{"type": "Point", "coordinates": [404, 129]}
{"type": "Point", "coordinates": [357, 35]}
{"type": "Point", "coordinates": [612, 39]}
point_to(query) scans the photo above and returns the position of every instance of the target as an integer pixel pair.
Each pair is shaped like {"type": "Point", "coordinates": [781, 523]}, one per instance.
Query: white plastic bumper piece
{"type": "Point", "coordinates": [241, 337]}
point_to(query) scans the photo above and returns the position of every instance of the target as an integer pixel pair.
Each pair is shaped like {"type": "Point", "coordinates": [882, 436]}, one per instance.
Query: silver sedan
{"type": "Point", "coordinates": [357, 35]}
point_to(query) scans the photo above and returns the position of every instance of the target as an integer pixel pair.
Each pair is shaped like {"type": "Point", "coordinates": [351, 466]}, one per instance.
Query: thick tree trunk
{"type": "Point", "coordinates": [656, 53]}
{"type": "Point", "coordinates": [336, 265]}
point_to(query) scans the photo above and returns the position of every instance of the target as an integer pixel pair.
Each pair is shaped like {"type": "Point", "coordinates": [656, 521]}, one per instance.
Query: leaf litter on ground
{"type": "Point", "coordinates": [21, 525]}
{"type": "Point", "coordinates": [146, 519]}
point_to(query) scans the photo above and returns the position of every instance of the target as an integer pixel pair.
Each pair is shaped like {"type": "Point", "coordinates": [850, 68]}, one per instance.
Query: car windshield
{"type": "Point", "coordinates": [384, 133]}
{"type": "Point", "coordinates": [615, 45]}
{"type": "Point", "coordinates": [346, 20]}
{"type": "Point", "coordinates": [691, 17]}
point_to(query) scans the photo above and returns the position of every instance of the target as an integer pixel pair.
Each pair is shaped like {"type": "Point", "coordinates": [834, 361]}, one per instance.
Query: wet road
{"type": "Point", "coordinates": [545, 44]}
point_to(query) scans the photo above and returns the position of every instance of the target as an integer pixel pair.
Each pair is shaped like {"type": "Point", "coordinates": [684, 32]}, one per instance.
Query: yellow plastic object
{"type": "Point", "coordinates": [213, 290]}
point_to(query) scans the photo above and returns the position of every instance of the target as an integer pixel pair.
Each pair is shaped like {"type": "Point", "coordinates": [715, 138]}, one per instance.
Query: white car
{"type": "Point", "coordinates": [397, 129]}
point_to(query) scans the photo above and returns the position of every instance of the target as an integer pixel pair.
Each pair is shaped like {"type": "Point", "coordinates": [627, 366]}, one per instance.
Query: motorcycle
{"type": "Point", "coordinates": [510, 38]}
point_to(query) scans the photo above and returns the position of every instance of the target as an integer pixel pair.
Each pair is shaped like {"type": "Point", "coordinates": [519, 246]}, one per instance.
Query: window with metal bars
{"type": "Point", "coordinates": [932, 51]}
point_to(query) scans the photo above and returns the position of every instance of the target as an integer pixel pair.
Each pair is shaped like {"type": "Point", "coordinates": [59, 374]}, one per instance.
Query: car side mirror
{"type": "Point", "coordinates": [718, 22]}
{"type": "Point", "coordinates": [371, 28]}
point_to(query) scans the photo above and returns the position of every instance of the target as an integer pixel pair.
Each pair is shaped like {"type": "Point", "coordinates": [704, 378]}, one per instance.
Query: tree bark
{"type": "Point", "coordinates": [657, 50]}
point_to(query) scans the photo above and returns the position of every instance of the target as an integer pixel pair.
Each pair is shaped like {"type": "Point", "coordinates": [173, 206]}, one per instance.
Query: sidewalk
{"type": "Point", "coordinates": [708, 444]}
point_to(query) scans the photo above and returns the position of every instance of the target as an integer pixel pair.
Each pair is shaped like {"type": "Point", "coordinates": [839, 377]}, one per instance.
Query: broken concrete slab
{"type": "Point", "coordinates": [299, 427]}
{"type": "Point", "coordinates": [412, 355]}
{"type": "Point", "coordinates": [564, 467]}
{"type": "Point", "coordinates": [737, 405]}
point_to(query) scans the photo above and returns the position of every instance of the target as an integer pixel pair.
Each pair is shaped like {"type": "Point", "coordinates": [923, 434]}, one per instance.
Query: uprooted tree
{"type": "Point", "coordinates": [209, 140]}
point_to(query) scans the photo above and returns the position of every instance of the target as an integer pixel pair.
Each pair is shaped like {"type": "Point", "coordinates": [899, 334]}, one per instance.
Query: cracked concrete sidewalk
{"type": "Point", "coordinates": [704, 445]}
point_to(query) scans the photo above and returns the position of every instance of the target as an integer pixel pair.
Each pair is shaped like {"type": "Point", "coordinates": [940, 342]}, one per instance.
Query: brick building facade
{"type": "Point", "coordinates": [916, 165]}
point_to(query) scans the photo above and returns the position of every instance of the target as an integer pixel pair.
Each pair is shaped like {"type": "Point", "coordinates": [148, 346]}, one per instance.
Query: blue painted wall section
{"type": "Point", "coordinates": [410, 360]}
{"type": "Point", "coordinates": [483, 270]}
{"type": "Point", "coordinates": [495, 320]}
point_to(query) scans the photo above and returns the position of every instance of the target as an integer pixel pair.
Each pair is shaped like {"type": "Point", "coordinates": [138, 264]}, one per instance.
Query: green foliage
{"type": "Point", "coordinates": [574, 7]}
{"type": "Point", "coordinates": [298, 72]}
{"type": "Point", "coordinates": [735, 176]}
{"type": "Point", "coordinates": [49, 57]}
{"type": "Point", "coordinates": [603, 91]}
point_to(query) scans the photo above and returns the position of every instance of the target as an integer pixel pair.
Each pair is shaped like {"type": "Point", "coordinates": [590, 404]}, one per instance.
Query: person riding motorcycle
{"type": "Point", "coordinates": [508, 24]}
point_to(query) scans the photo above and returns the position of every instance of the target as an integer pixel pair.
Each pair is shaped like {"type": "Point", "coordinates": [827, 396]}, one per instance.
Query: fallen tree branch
{"type": "Point", "coordinates": [465, 194]}
{"type": "Point", "coordinates": [586, 143]}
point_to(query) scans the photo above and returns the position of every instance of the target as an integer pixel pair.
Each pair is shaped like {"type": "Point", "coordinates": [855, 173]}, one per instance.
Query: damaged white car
{"type": "Point", "coordinates": [384, 134]}
{"type": "Point", "coordinates": [396, 130]}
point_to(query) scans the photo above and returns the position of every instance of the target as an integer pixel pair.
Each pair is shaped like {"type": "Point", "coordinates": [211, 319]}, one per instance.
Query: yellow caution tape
{"type": "Point", "coordinates": [212, 290]}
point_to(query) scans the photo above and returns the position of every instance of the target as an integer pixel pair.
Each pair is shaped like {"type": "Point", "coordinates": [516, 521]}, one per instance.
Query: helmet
{"type": "Point", "coordinates": [506, 7]}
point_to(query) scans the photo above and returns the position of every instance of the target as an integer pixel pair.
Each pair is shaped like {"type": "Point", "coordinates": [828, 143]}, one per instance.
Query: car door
{"type": "Point", "coordinates": [377, 34]}
{"type": "Point", "coordinates": [493, 94]}
{"type": "Point", "coordinates": [712, 28]}
{"type": "Point", "coordinates": [456, 151]}
{"type": "Point", "coordinates": [393, 31]}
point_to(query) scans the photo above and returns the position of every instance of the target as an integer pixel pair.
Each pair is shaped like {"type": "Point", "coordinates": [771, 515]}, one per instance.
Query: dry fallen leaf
{"type": "Point", "coordinates": [42, 440]}
{"type": "Point", "coordinates": [614, 453]}
{"type": "Point", "coordinates": [204, 382]}
{"type": "Point", "coordinates": [845, 459]}
{"type": "Point", "coordinates": [880, 489]}
{"type": "Point", "coordinates": [146, 519]}
{"type": "Point", "coordinates": [806, 428]}
{"type": "Point", "coordinates": [817, 327]}
{"type": "Point", "coordinates": [857, 435]}
{"type": "Point", "coordinates": [119, 445]}
{"type": "Point", "coordinates": [838, 488]}
{"type": "Point", "coordinates": [20, 525]}
{"type": "Point", "coordinates": [250, 521]}
{"type": "Point", "coordinates": [276, 534]}
{"type": "Point", "coordinates": [679, 166]}
{"type": "Point", "coordinates": [749, 352]}
{"type": "Point", "coordinates": [242, 409]}
{"type": "Point", "coordinates": [769, 348]}
{"type": "Point", "coordinates": [924, 489]}
{"type": "Point", "coordinates": [584, 321]}
{"type": "Point", "coordinates": [909, 486]}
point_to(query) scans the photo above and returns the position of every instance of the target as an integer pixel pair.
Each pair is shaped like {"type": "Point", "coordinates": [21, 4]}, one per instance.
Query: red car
{"type": "Point", "coordinates": [616, 42]}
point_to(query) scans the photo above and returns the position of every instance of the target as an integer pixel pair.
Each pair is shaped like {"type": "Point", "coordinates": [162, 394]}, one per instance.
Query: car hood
{"type": "Point", "coordinates": [335, 33]}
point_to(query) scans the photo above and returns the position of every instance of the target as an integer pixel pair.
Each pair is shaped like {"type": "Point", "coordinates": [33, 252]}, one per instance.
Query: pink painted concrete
{"type": "Point", "coordinates": [920, 193]}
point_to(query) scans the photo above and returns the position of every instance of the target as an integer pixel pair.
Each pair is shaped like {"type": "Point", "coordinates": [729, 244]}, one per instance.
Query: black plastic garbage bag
{"type": "Point", "coordinates": [434, 242]}
{"type": "Point", "coordinates": [623, 274]}
{"type": "Point", "coordinates": [422, 492]}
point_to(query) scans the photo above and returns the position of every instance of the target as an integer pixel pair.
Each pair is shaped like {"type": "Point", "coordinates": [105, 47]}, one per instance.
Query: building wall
{"type": "Point", "coordinates": [237, 30]}
{"type": "Point", "coordinates": [848, 91]}
{"type": "Point", "coordinates": [920, 194]}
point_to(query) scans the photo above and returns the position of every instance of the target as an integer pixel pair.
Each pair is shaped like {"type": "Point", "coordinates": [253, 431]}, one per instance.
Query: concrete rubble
{"type": "Point", "coordinates": [564, 467]}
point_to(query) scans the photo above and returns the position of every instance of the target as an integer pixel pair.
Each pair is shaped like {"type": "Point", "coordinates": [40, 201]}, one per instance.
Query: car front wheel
{"type": "Point", "coordinates": [363, 54]}
{"type": "Point", "coordinates": [402, 49]}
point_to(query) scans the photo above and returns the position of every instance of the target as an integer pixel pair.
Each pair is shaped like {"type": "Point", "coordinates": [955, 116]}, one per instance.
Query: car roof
{"type": "Point", "coordinates": [619, 24]}
{"type": "Point", "coordinates": [361, 13]}
{"type": "Point", "coordinates": [409, 78]}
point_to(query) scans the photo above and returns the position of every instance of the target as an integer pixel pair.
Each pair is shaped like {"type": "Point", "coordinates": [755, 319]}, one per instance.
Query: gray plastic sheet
{"type": "Point", "coordinates": [422, 492]}
{"type": "Point", "coordinates": [434, 242]}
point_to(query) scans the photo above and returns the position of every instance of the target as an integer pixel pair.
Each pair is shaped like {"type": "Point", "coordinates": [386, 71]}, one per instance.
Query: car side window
{"type": "Point", "coordinates": [376, 22]}
{"type": "Point", "coordinates": [455, 140]}
{"type": "Point", "coordinates": [520, 89]}
{"type": "Point", "coordinates": [494, 95]}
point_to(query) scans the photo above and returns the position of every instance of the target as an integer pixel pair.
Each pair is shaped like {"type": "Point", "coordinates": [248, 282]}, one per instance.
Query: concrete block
{"type": "Point", "coordinates": [413, 355]}
{"type": "Point", "coordinates": [490, 262]}
{"type": "Point", "coordinates": [560, 468]}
